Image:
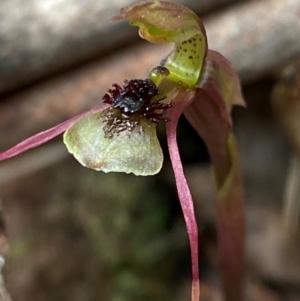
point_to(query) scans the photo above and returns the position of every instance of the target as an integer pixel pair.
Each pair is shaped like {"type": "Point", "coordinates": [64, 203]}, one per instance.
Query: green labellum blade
{"type": "Point", "coordinates": [133, 150]}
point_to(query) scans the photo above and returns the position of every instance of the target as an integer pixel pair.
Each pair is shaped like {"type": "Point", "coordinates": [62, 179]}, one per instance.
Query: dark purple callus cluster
{"type": "Point", "coordinates": [137, 97]}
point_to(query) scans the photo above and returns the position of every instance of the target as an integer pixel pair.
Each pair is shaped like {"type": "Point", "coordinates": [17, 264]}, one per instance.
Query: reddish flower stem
{"type": "Point", "coordinates": [184, 194]}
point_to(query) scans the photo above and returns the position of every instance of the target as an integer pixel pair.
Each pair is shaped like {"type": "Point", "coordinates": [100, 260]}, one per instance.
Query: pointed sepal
{"type": "Point", "coordinates": [45, 136]}
{"type": "Point", "coordinates": [221, 83]}
{"type": "Point", "coordinates": [209, 114]}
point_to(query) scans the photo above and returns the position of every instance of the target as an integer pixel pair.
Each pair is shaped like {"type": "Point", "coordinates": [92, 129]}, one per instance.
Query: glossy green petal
{"type": "Point", "coordinates": [165, 22]}
{"type": "Point", "coordinates": [133, 150]}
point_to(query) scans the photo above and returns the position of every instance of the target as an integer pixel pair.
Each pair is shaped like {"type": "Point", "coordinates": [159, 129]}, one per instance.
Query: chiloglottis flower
{"type": "Point", "coordinates": [123, 137]}
{"type": "Point", "coordinates": [120, 134]}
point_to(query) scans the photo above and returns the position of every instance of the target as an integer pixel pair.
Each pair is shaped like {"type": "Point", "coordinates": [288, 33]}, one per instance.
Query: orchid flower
{"type": "Point", "coordinates": [120, 134]}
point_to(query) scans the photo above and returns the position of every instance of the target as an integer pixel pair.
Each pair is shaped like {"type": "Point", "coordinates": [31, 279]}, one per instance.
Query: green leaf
{"type": "Point", "coordinates": [133, 149]}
